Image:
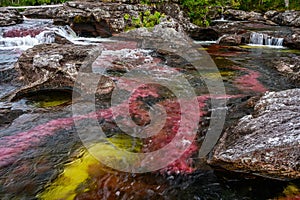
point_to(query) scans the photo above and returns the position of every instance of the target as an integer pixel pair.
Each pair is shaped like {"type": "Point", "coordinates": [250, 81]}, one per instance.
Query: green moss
{"type": "Point", "coordinates": [79, 19]}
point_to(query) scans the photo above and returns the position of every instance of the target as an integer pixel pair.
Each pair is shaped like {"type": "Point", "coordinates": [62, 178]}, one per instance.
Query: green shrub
{"type": "Point", "coordinates": [144, 19]}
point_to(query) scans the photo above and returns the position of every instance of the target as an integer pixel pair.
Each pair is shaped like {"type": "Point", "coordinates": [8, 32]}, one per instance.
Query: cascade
{"type": "Point", "coordinates": [20, 38]}
{"type": "Point", "coordinates": [264, 39]}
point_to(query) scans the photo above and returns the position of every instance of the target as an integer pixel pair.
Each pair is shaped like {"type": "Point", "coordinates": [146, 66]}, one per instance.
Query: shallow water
{"type": "Point", "coordinates": [42, 148]}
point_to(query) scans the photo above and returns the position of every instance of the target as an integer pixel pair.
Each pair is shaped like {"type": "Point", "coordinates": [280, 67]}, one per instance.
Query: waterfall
{"type": "Point", "coordinates": [264, 39]}
{"type": "Point", "coordinates": [46, 36]}
{"type": "Point", "coordinates": [27, 41]}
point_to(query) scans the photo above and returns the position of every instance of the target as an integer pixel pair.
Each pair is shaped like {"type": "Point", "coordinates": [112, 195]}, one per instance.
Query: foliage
{"type": "Point", "coordinates": [197, 11]}
{"type": "Point", "coordinates": [144, 19]}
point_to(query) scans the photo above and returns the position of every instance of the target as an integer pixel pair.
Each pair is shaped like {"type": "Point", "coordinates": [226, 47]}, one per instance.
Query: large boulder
{"type": "Point", "coordinates": [267, 142]}
{"type": "Point", "coordinates": [55, 67]}
{"type": "Point", "coordinates": [9, 17]}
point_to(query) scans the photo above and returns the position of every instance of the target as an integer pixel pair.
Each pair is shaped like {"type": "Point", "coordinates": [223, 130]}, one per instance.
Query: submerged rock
{"type": "Point", "coordinates": [266, 143]}
{"type": "Point", "coordinates": [9, 17]}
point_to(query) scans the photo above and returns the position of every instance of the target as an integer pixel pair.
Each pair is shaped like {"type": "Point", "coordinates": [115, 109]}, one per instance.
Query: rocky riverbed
{"type": "Point", "coordinates": [262, 128]}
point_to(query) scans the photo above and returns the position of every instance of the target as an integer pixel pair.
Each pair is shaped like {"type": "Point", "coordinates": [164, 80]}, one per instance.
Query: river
{"type": "Point", "coordinates": [42, 156]}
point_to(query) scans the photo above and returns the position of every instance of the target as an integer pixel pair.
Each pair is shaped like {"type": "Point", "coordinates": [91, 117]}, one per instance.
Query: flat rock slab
{"type": "Point", "coordinates": [266, 143]}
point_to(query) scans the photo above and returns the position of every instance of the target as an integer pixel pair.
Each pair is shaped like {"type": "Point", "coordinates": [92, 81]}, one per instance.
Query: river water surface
{"type": "Point", "coordinates": [41, 154]}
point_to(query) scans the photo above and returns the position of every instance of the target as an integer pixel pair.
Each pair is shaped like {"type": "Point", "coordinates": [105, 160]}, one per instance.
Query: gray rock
{"type": "Point", "coordinates": [271, 13]}
{"type": "Point", "coordinates": [243, 15]}
{"type": "Point", "coordinates": [9, 17]}
{"type": "Point", "coordinates": [292, 40]}
{"type": "Point", "coordinates": [287, 18]}
{"type": "Point", "coordinates": [266, 143]}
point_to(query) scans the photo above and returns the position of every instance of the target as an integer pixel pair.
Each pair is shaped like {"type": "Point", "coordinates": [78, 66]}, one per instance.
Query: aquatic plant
{"type": "Point", "coordinates": [76, 174]}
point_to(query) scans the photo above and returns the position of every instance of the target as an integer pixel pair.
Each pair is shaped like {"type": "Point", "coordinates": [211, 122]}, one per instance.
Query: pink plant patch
{"type": "Point", "coordinates": [22, 32]}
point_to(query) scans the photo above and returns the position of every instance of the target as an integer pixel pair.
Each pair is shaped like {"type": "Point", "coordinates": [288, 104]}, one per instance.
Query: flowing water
{"type": "Point", "coordinates": [264, 39]}
{"type": "Point", "coordinates": [42, 155]}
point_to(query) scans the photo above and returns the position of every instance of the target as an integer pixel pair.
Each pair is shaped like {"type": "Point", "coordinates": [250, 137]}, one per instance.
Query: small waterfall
{"type": "Point", "coordinates": [46, 36]}
{"type": "Point", "coordinates": [264, 39]}
{"type": "Point", "coordinates": [27, 41]}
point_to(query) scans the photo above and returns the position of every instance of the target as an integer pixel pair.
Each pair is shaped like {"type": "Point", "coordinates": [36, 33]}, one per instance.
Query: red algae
{"type": "Point", "coordinates": [249, 82]}
{"type": "Point", "coordinates": [22, 32]}
{"type": "Point", "coordinates": [12, 146]}
{"type": "Point", "coordinates": [217, 50]}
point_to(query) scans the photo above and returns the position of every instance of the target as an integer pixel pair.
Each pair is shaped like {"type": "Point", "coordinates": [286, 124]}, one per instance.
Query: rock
{"type": "Point", "coordinates": [90, 18]}
{"type": "Point", "coordinates": [289, 67]}
{"type": "Point", "coordinates": [232, 40]}
{"type": "Point", "coordinates": [107, 18]}
{"type": "Point", "coordinates": [292, 40]}
{"type": "Point", "coordinates": [266, 143]}
{"type": "Point", "coordinates": [243, 15]}
{"type": "Point", "coordinates": [203, 34]}
{"type": "Point", "coordinates": [270, 14]}
{"type": "Point", "coordinates": [288, 18]}
{"type": "Point", "coordinates": [9, 17]}
{"type": "Point", "coordinates": [55, 67]}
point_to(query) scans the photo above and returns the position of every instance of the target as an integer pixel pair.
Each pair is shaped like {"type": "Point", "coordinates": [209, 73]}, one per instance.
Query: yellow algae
{"type": "Point", "coordinates": [254, 46]}
{"type": "Point", "coordinates": [222, 73]}
{"type": "Point", "coordinates": [77, 172]}
{"type": "Point", "coordinates": [291, 190]}
{"type": "Point", "coordinates": [51, 99]}
{"type": "Point", "coordinates": [294, 51]}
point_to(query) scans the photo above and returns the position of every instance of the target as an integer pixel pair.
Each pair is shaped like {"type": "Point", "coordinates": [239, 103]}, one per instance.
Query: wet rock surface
{"type": "Point", "coordinates": [267, 142]}
{"type": "Point", "coordinates": [10, 17]}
